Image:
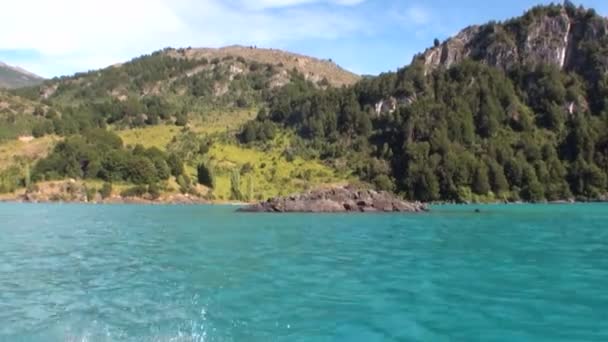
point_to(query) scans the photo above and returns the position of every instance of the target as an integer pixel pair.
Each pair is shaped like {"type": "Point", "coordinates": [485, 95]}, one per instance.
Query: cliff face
{"type": "Point", "coordinates": [556, 35]}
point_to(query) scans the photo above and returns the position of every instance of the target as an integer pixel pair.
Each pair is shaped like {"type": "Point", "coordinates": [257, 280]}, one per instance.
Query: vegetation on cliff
{"type": "Point", "coordinates": [465, 131]}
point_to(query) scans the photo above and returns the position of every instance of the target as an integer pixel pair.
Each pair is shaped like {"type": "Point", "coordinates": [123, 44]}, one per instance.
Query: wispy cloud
{"type": "Point", "coordinates": [95, 33]}
{"type": "Point", "coordinates": [263, 4]}
{"type": "Point", "coordinates": [418, 15]}
{"type": "Point", "coordinates": [412, 15]}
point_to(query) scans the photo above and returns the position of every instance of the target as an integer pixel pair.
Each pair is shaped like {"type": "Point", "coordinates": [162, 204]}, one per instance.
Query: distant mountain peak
{"type": "Point", "coordinates": [16, 77]}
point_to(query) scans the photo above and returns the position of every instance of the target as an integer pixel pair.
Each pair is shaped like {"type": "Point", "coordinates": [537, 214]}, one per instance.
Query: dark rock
{"type": "Point", "coordinates": [337, 200]}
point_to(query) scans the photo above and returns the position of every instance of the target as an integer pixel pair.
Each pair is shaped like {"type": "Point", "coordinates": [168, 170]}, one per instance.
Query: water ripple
{"type": "Point", "coordinates": [138, 273]}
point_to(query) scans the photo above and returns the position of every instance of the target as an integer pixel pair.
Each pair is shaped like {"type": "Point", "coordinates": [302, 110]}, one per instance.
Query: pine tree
{"type": "Point", "coordinates": [204, 175]}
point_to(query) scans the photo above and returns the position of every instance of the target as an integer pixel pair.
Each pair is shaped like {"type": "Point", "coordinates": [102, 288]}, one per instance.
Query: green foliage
{"type": "Point", "coordinates": [11, 179]}
{"type": "Point", "coordinates": [106, 190]}
{"type": "Point", "coordinates": [235, 186]}
{"type": "Point", "coordinates": [99, 154]}
{"type": "Point", "coordinates": [176, 165]}
{"type": "Point", "coordinates": [136, 191]}
{"type": "Point", "coordinates": [91, 192]}
{"type": "Point", "coordinates": [185, 184]}
{"type": "Point", "coordinates": [205, 176]}
{"type": "Point", "coordinates": [141, 170]}
{"type": "Point", "coordinates": [467, 133]}
{"type": "Point", "coordinates": [154, 191]}
{"type": "Point", "coordinates": [481, 183]}
{"type": "Point", "coordinates": [188, 145]}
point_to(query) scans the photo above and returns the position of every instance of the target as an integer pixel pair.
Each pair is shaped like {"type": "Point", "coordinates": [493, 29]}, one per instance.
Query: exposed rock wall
{"type": "Point", "coordinates": [552, 39]}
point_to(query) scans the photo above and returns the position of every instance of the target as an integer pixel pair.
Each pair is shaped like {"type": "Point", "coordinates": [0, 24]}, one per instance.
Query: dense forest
{"type": "Point", "coordinates": [530, 132]}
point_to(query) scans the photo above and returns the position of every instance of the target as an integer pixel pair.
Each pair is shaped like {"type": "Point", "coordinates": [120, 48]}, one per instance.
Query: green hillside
{"type": "Point", "coordinates": [505, 111]}
{"type": "Point", "coordinates": [533, 129]}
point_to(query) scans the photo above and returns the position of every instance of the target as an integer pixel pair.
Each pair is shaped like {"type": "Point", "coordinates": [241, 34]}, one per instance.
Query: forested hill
{"type": "Point", "coordinates": [512, 110]}
{"type": "Point", "coordinates": [173, 86]}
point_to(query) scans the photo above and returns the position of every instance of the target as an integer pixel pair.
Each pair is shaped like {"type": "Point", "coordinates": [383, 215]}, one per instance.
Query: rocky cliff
{"type": "Point", "coordinates": [563, 36]}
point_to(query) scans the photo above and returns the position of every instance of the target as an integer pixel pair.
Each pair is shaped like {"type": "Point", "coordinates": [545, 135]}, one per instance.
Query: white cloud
{"type": "Point", "coordinates": [415, 15]}
{"type": "Point", "coordinates": [261, 4]}
{"type": "Point", "coordinates": [81, 35]}
{"type": "Point", "coordinates": [418, 15]}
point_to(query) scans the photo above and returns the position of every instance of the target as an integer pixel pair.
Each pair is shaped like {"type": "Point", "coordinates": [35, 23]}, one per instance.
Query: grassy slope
{"type": "Point", "coordinates": [14, 150]}
{"type": "Point", "coordinates": [15, 116]}
{"type": "Point", "coordinates": [271, 173]}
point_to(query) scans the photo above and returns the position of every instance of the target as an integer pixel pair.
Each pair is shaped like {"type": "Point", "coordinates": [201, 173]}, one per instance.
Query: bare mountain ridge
{"type": "Point", "coordinates": [15, 77]}
{"type": "Point", "coordinates": [312, 68]}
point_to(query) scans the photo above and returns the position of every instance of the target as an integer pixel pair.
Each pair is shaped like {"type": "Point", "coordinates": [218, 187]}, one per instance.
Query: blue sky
{"type": "Point", "coordinates": [367, 36]}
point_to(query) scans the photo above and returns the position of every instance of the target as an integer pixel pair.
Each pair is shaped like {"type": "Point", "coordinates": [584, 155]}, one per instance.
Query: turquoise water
{"type": "Point", "coordinates": [162, 273]}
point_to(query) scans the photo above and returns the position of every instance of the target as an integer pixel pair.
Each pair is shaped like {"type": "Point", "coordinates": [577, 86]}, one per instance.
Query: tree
{"type": "Point", "coordinates": [184, 183]}
{"type": "Point", "coordinates": [106, 190]}
{"type": "Point", "coordinates": [176, 165]}
{"type": "Point", "coordinates": [383, 182]}
{"type": "Point", "coordinates": [204, 176]}
{"type": "Point", "coordinates": [181, 119]}
{"type": "Point", "coordinates": [532, 190]}
{"type": "Point", "coordinates": [250, 188]}
{"type": "Point", "coordinates": [498, 180]}
{"type": "Point", "coordinates": [163, 172]}
{"type": "Point", "coordinates": [235, 186]}
{"type": "Point", "coordinates": [481, 184]}
{"type": "Point", "coordinates": [141, 170]}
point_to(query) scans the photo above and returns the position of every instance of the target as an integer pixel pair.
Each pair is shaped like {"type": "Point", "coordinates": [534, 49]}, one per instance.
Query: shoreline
{"type": "Point", "coordinates": [194, 202]}
{"type": "Point", "coordinates": [127, 201]}
{"type": "Point", "coordinates": [168, 199]}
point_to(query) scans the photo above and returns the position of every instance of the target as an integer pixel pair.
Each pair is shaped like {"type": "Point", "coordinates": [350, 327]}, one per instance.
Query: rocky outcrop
{"type": "Point", "coordinates": [337, 200]}
{"type": "Point", "coordinates": [391, 104]}
{"type": "Point", "coordinates": [542, 36]}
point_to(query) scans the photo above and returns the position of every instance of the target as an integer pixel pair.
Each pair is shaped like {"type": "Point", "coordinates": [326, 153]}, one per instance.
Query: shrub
{"type": "Point", "coordinates": [106, 190]}
{"type": "Point", "coordinates": [204, 175]}
{"type": "Point", "coordinates": [91, 192]}
{"type": "Point", "coordinates": [184, 184]}
{"type": "Point", "coordinates": [136, 191]}
{"type": "Point", "coordinates": [154, 190]}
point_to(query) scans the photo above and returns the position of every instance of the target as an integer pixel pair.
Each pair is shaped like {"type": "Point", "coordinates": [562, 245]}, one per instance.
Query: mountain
{"type": "Point", "coordinates": [180, 84]}
{"type": "Point", "coordinates": [570, 38]}
{"type": "Point", "coordinates": [313, 69]}
{"type": "Point", "coordinates": [502, 111]}
{"type": "Point", "coordinates": [220, 76]}
{"type": "Point", "coordinates": [15, 77]}
{"type": "Point", "coordinates": [506, 111]}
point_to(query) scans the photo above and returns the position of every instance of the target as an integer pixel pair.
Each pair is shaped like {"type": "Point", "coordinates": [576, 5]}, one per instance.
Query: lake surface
{"type": "Point", "coordinates": [188, 273]}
